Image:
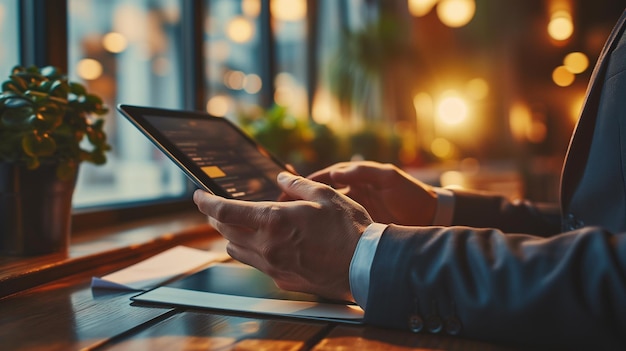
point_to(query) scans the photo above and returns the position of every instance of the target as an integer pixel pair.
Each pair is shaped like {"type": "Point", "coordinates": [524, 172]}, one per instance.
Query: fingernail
{"type": "Point", "coordinates": [283, 176]}
{"type": "Point", "coordinates": [196, 196]}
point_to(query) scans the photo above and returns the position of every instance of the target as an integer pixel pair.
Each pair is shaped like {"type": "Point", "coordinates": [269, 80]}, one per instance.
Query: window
{"type": "Point", "coordinates": [9, 48]}
{"type": "Point", "coordinates": [253, 59]}
{"type": "Point", "coordinates": [233, 56]}
{"type": "Point", "coordinates": [127, 52]}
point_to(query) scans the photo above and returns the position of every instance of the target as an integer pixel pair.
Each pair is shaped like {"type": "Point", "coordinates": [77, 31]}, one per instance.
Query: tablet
{"type": "Point", "coordinates": [212, 151]}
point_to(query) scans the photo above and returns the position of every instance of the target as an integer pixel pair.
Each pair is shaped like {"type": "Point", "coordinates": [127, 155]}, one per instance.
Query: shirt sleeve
{"type": "Point", "coordinates": [366, 247]}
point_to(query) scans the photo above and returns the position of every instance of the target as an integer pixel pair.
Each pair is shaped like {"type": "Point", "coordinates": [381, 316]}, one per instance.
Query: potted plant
{"type": "Point", "coordinates": [48, 126]}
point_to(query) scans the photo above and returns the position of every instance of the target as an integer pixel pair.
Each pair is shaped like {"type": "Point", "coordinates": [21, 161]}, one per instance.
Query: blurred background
{"type": "Point", "coordinates": [480, 94]}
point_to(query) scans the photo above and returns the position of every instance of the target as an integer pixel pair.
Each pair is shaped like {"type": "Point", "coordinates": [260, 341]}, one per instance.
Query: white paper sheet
{"type": "Point", "coordinates": [203, 299]}
{"type": "Point", "coordinates": [158, 269]}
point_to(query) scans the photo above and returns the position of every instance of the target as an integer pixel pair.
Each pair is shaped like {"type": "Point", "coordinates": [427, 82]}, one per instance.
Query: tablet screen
{"type": "Point", "coordinates": [212, 151]}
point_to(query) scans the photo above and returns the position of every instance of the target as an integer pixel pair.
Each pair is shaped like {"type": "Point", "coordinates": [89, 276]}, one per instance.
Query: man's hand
{"type": "Point", "coordinates": [304, 245]}
{"type": "Point", "coordinates": [389, 194]}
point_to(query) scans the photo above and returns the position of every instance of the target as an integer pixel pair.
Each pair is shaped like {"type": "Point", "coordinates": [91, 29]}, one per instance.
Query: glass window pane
{"type": "Point", "coordinates": [9, 29]}
{"type": "Point", "coordinates": [127, 52]}
{"type": "Point", "coordinates": [233, 56]}
{"type": "Point", "coordinates": [289, 22]}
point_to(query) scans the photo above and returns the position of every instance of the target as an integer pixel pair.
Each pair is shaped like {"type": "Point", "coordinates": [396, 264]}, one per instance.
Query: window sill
{"type": "Point", "coordinates": [110, 245]}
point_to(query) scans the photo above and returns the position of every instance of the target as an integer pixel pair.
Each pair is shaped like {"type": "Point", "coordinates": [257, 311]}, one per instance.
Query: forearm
{"type": "Point", "coordinates": [517, 288]}
{"type": "Point", "coordinates": [482, 210]}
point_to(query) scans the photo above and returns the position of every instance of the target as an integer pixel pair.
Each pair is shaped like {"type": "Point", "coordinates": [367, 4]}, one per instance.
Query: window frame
{"type": "Point", "coordinates": [43, 38]}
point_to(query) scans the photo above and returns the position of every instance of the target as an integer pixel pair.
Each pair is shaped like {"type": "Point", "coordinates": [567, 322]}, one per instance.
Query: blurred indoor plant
{"type": "Point", "coordinates": [304, 144]}
{"type": "Point", "coordinates": [48, 126]}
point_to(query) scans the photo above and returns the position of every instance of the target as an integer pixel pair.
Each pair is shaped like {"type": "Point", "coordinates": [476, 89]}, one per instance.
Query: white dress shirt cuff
{"type": "Point", "coordinates": [445, 207]}
{"type": "Point", "coordinates": [362, 262]}
{"type": "Point", "coordinates": [363, 257]}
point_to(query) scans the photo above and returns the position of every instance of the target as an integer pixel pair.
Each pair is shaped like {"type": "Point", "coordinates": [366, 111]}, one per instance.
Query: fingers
{"type": "Point", "coordinates": [370, 173]}
{"type": "Point", "coordinates": [243, 213]}
{"type": "Point", "coordinates": [302, 188]}
{"type": "Point", "coordinates": [323, 175]}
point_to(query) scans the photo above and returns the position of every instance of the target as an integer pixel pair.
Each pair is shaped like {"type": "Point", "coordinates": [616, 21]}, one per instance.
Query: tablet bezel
{"type": "Point", "coordinates": [137, 116]}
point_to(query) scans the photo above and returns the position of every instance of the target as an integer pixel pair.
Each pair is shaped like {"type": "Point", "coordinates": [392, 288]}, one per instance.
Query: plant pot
{"type": "Point", "coordinates": [35, 210]}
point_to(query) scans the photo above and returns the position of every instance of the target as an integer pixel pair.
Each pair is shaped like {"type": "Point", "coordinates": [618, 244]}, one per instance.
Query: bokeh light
{"type": "Point", "coordinates": [452, 180]}
{"type": "Point", "coordinates": [419, 8]}
{"type": "Point", "coordinates": [562, 77]}
{"type": "Point", "coordinates": [252, 83]}
{"type": "Point", "coordinates": [576, 62]}
{"type": "Point", "coordinates": [456, 13]}
{"type": "Point", "coordinates": [89, 69]}
{"type": "Point", "coordinates": [114, 42]}
{"type": "Point", "coordinates": [561, 26]}
{"type": "Point", "coordinates": [477, 88]}
{"type": "Point", "coordinates": [234, 80]}
{"type": "Point", "coordinates": [452, 109]}
{"type": "Point", "coordinates": [240, 30]}
{"type": "Point", "coordinates": [288, 10]}
{"type": "Point", "coordinates": [441, 148]}
{"type": "Point", "coordinates": [251, 8]}
{"type": "Point", "coordinates": [218, 105]}
{"type": "Point", "coordinates": [520, 119]}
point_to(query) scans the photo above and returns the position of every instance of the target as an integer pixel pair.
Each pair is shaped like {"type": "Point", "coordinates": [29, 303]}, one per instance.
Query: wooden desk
{"type": "Point", "coordinates": [65, 314]}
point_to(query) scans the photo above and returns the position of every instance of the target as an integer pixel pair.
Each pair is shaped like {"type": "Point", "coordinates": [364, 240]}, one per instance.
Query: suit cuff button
{"type": "Point", "coordinates": [453, 326]}
{"type": "Point", "coordinates": [416, 324]}
{"type": "Point", "coordinates": [434, 324]}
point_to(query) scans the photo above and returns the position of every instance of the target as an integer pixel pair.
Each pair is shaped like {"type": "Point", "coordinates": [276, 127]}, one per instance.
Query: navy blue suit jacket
{"type": "Point", "coordinates": [510, 271]}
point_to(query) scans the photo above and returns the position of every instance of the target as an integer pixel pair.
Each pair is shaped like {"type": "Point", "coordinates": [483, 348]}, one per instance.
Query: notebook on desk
{"type": "Point", "coordinates": [240, 288]}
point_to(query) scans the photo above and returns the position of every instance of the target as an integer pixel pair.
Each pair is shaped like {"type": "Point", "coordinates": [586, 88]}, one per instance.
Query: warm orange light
{"type": "Point", "coordinates": [520, 119]}
{"type": "Point", "coordinates": [456, 13]}
{"type": "Point", "coordinates": [577, 106]}
{"type": "Point", "coordinates": [423, 104]}
{"type": "Point", "coordinates": [131, 21]}
{"type": "Point", "coordinates": [234, 80]}
{"type": "Point", "coordinates": [477, 88]}
{"type": "Point", "coordinates": [419, 8]}
{"type": "Point", "coordinates": [537, 132]}
{"type": "Point", "coordinates": [288, 10]}
{"type": "Point", "coordinates": [325, 107]}
{"type": "Point", "coordinates": [89, 69]}
{"type": "Point", "coordinates": [218, 105]}
{"type": "Point", "coordinates": [452, 109]}
{"type": "Point", "coordinates": [576, 62]}
{"type": "Point", "coordinates": [562, 76]}
{"type": "Point", "coordinates": [240, 30]}
{"type": "Point", "coordinates": [114, 42]}
{"type": "Point", "coordinates": [452, 179]}
{"type": "Point", "coordinates": [561, 26]}
{"type": "Point", "coordinates": [252, 84]}
{"type": "Point", "coordinates": [251, 8]}
{"type": "Point", "coordinates": [441, 148]}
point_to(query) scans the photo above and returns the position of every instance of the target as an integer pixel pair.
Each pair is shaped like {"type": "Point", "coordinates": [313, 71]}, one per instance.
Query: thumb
{"type": "Point", "coordinates": [301, 188]}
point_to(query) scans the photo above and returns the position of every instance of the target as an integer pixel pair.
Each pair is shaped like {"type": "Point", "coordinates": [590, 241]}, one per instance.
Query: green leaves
{"type": "Point", "coordinates": [45, 117]}
{"type": "Point", "coordinates": [35, 145]}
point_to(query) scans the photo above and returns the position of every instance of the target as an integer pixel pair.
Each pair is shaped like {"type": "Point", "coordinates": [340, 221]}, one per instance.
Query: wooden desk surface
{"type": "Point", "coordinates": [65, 314]}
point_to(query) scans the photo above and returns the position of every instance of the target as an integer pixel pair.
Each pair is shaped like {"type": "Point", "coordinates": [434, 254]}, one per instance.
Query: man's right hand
{"type": "Point", "coordinates": [389, 194]}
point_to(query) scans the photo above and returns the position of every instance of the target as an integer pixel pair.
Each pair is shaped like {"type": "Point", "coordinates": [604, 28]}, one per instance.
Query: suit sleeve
{"type": "Point", "coordinates": [483, 210]}
{"type": "Point", "coordinates": [569, 289]}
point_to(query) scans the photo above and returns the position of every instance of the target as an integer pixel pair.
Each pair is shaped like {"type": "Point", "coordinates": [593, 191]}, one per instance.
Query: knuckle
{"type": "Point", "coordinates": [269, 254]}
{"type": "Point", "coordinates": [324, 191]}
{"type": "Point", "coordinates": [271, 215]}
{"type": "Point", "coordinates": [219, 210]}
